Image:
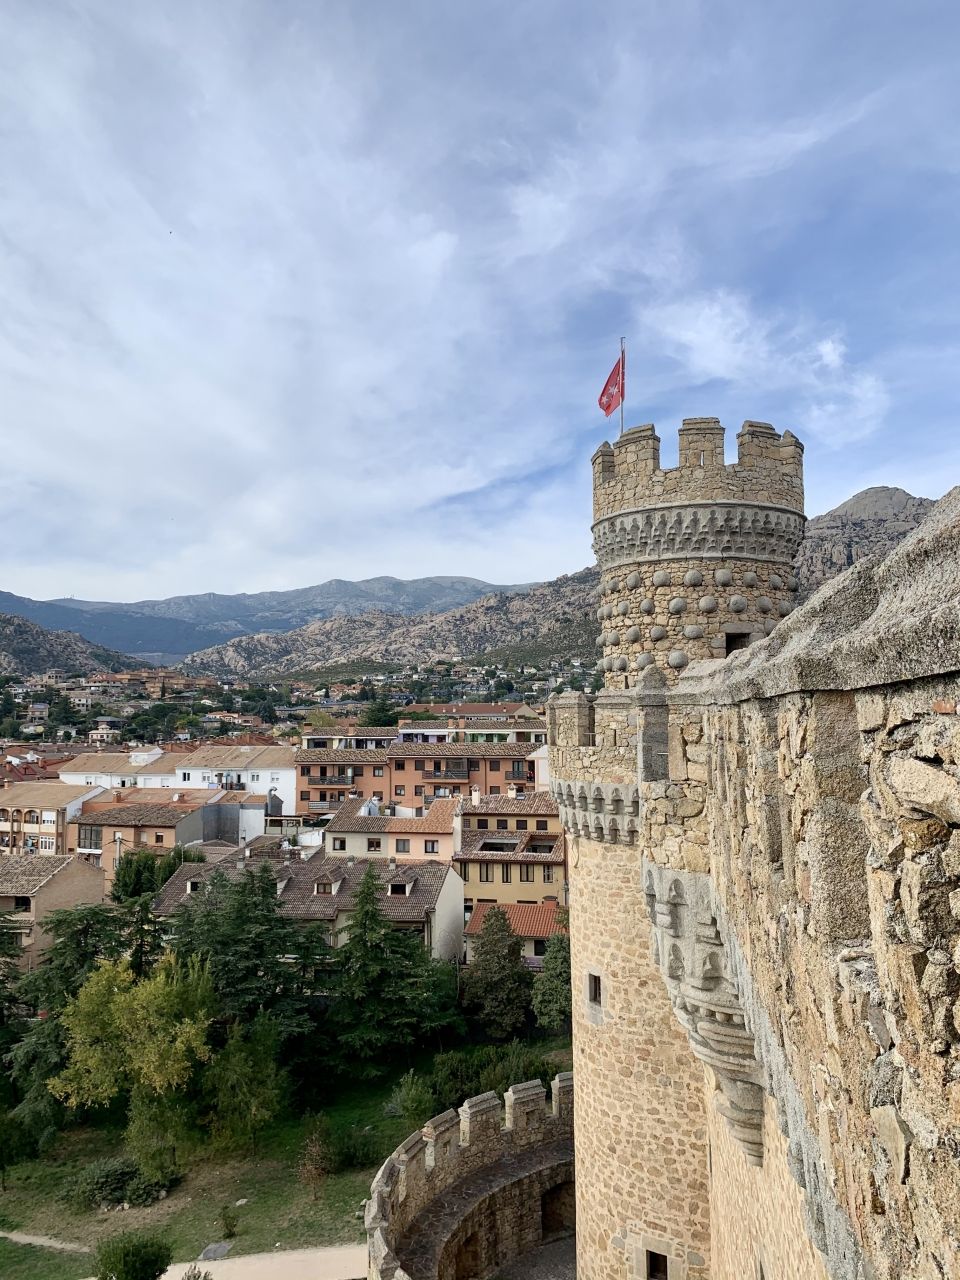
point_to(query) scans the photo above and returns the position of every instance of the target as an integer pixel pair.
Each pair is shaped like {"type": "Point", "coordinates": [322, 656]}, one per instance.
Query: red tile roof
{"type": "Point", "coordinates": [527, 921]}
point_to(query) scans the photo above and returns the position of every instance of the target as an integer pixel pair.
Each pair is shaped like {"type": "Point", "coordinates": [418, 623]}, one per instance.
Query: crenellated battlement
{"type": "Point", "coordinates": [627, 475]}
{"type": "Point", "coordinates": [489, 1151]}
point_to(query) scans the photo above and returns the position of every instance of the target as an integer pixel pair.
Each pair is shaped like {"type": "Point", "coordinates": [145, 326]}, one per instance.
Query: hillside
{"type": "Point", "coordinates": [27, 649]}
{"type": "Point", "coordinates": [182, 624]}
{"type": "Point", "coordinates": [871, 522]}
{"type": "Point", "coordinates": [554, 618]}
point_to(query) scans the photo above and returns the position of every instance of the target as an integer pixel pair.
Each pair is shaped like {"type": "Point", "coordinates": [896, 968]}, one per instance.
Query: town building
{"type": "Point", "coordinates": [259, 770]}
{"type": "Point", "coordinates": [33, 885]}
{"type": "Point", "coordinates": [423, 772]}
{"type": "Point", "coordinates": [108, 768]}
{"type": "Point", "coordinates": [361, 829]}
{"type": "Point", "coordinates": [35, 816]}
{"type": "Point", "coordinates": [534, 923]}
{"type": "Point", "coordinates": [512, 850]}
{"type": "Point", "coordinates": [328, 777]}
{"type": "Point", "coordinates": [422, 897]}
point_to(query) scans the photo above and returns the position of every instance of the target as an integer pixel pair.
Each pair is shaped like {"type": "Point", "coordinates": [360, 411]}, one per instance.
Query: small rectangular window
{"type": "Point", "coordinates": [304, 795]}
{"type": "Point", "coordinates": [358, 771]}
{"type": "Point", "coordinates": [158, 837]}
{"type": "Point", "coordinates": [494, 766]}
{"type": "Point", "coordinates": [548, 875]}
{"type": "Point", "coordinates": [505, 872]}
{"type": "Point", "coordinates": [483, 824]}
{"type": "Point", "coordinates": [373, 844]}
{"type": "Point", "coordinates": [521, 824]}
{"type": "Point", "coordinates": [378, 771]}
{"type": "Point", "coordinates": [403, 846]}
{"type": "Point", "coordinates": [541, 824]}
{"type": "Point", "coordinates": [539, 946]}
{"type": "Point", "coordinates": [486, 872]}
{"type": "Point", "coordinates": [399, 765]}
{"type": "Point", "coordinates": [502, 824]}
{"type": "Point", "coordinates": [339, 844]}
{"type": "Point", "coordinates": [526, 872]}
{"type": "Point", "coordinates": [464, 871]}
{"type": "Point", "coordinates": [596, 997]}
{"type": "Point", "coordinates": [430, 846]}
{"type": "Point", "coordinates": [398, 890]}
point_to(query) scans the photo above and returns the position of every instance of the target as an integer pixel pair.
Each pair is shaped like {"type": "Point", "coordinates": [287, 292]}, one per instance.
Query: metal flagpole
{"type": "Point", "coordinates": [623, 378]}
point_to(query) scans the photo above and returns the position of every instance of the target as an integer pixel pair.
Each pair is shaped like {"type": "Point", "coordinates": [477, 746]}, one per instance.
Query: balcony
{"type": "Point", "coordinates": [323, 806]}
{"type": "Point", "coordinates": [232, 785]}
{"type": "Point", "coordinates": [332, 780]}
{"type": "Point", "coordinates": [458, 775]}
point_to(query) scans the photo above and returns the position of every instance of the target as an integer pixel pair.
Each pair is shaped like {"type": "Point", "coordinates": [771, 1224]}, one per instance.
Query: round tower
{"type": "Point", "coordinates": [695, 561]}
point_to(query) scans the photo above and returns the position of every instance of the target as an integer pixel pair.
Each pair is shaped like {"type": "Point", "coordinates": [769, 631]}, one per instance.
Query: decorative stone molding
{"type": "Point", "coordinates": [604, 811]}
{"type": "Point", "coordinates": [689, 951]}
{"type": "Point", "coordinates": [704, 530]}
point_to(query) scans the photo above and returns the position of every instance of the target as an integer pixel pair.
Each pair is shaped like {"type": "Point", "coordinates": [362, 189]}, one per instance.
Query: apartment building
{"type": "Point", "coordinates": [422, 897]}
{"type": "Point", "coordinates": [327, 777]}
{"type": "Point", "coordinates": [349, 738]}
{"type": "Point", "coordinates": [359, 829]}
{"type": "Point", "coordinates": [270, 770]}
{"type": "Point", "coordinates": [108, 768]}
{"type": "Point", "coordinates": [34, 816]}
{"type": "Point", "coordinates": [422, 772]}
{"type": "Point", "coordinates": [512, 850]}
{"type": "Point", "coordinates": [33, 885]}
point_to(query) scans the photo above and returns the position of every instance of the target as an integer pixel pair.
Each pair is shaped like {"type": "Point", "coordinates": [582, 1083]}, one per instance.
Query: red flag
{"type": "Point", "coordinates": [611, 396]}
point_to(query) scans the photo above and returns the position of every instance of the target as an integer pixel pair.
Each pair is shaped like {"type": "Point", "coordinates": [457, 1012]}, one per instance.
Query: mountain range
{"type": "Point", "coordinates": [385, 619]}
{"type": "Point", "coordinates": [164, 631]}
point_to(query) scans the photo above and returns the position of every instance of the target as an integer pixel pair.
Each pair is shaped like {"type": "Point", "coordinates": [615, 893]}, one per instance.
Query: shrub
{"type": "Point", "coordinates": [228, 1221]}
{"type": "Point", "coordinates": [412, 1099]}
{"type": "Point", "coordinates": [193, 1272]}
{"type": "Point", "coordinates": [117, 1180]}
{"type": "Point", "coordinates": [354, 1148]}
{"type": "Point", "coordinates": [463, 1073]}
{"type": "Point", "coordinates": [316, 1161]}
{"type": "Point", "coordinates": [132, 1255]}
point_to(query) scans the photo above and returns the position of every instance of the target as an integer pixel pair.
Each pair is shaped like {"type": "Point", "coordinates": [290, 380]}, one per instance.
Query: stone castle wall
{"type": "Point", "coordinates": [696, 559]}
{"type": "Point", "coordinates": [473, 1189]}
{"type": "Point", "coordinates": [791, 825]}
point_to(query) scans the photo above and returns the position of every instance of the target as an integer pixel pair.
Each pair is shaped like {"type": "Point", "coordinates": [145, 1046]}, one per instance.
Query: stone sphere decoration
{"type": "Point", "coordinates": [784, 607]}
{"type": "Point", "coordinates": [723, 577]}
{"type": "Point", "coordinates": [613, 637]}
{"type": "Point", "coordinates": [623, 608]}
{"type": "Point", "coordinates": [793, 584]}
{"type": "Point", "coordinates": [633, 581]}
{"type": "Point", "coordinates": [602, 590]}
{"type": "Point", "coordinates": [608, 664]}
{"type": "Point", "coordinates": [633, 635]}
{"type": "Point", "coordinates": [776, 582]}
{"type": "Point", "coordinates": [677, 658]}
{"type": "Point", "coordinates": [750, 579]}
{"type": "Point", "coordinates": [644, 660]}
{"type": "Point", "coordinates": [601, 640]}
{"type": "Point", "coordinates": [647, 606]}
{"type": "Point", "coordinates": [764, 604]}
{"type": "Point", "coordinates": [615, 586]}
{"type": "Point", "coordinates": [661, 578]}
{"type": "Point", "coordinates": [738, 604]}
{"type": "Point", "coordinates": [600, 614]}
{"type": "Point", "coordinates": [621, 664]}
{"type": "Point", "coordinates": [769, 625]}
{"type": "Point", "coordinates": [677, 605]}
{"type": "Point", "coordinates": [692, 578]}
{"type": "Point", "coordinates": [693, 631]}
{"type": "Point", "coordinates": [658, 633]}
{"type": "Point", "coordinates": [708, 604]}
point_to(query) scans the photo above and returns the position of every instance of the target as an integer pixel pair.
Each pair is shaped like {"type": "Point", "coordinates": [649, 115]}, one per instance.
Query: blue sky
{"type": "Point", "coordinates": [295, 290]}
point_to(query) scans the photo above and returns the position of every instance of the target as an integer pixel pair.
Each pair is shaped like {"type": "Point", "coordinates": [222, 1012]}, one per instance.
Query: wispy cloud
{"type": "Point", "coordinates": [295, 291]}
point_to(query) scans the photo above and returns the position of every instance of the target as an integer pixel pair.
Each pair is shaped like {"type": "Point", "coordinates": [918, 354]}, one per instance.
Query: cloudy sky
{"type": "Point", "coordinates": [300, 289]}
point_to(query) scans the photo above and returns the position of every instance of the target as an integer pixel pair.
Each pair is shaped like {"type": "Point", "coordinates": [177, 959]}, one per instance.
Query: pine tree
{"type": "Point", "coordinates": [497, 983]}
{"type": "Point", "coordinates": [385, 988]}
{"type": "Point", "coordinates": [551, 986]}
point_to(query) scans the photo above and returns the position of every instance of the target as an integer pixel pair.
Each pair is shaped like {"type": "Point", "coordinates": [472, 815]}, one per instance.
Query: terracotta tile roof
{"type": "Point", "coordinates": [239, 757]}
{"type": "Point", "coordinates": [527, 921]}
{"type": "Point", "coordinates": [140, 815]}
{"type": "Point", "coordinates": [24, 874]}
{"type": "Point", "coordinates": [463, 750]}
{"type": "Point", "coordinates": [41, 795]}
{"type": "Point", "coordinates": [540, 804]}
{"type": "Point", "coordinates": [342, 755]}
{"type": "Point", "coordinates": [101, 762]}
{"type": "Point", "coordinates": [438, 819]}
{"type": "Point", "coordinates": [296, 881]}
{"type": "Point", "coordinates": [167, 763]}
{"type": "Point", "coordinates": [517, 846]}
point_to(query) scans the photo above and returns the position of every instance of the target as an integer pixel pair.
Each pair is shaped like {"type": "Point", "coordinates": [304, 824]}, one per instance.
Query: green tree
{"type": "Point", "coordinates": [245, 1083]}
{"type": "Point", "coordinates": [132, 1255]}
{"type": "Point", "coordinates": [551, 987]}
{"type": "Point", "coordinates": [383, 981]}
{"type": "Point", "coordinates": [381, 711]}
{"type": "Point", "coordinates": [496, 984]}
{"type": "Point", "coordinates": [10, 950]}
{"type": "Point", "coordinates": [141, 872]}
{"type": "Point", "coordinates": [256, 958]}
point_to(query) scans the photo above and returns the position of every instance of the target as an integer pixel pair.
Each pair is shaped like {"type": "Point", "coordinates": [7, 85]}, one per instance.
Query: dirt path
{"type": "Point", "coordinates": [340, 1262]}
{"type": "Point", "coordinates": [44, 1242]}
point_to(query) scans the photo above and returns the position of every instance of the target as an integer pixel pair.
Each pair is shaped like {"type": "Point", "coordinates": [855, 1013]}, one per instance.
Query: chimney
{"type": "Point", "coordinates": [392, 863]}
{"type": "Point", "coordinates": [475, 795]}
{"type": "Point", "coordinates": [117, 797]}
{"type": "Point", "coordinates": [512, 791]}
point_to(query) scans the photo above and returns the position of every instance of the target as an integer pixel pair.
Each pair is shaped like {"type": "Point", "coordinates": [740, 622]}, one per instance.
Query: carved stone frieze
{"type": "Point", "coordinates": [692, 531]}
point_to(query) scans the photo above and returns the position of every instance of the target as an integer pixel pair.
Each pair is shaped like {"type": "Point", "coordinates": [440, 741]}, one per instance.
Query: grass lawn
{"type": "Point", "coordinates": [24, 1262]}
{"type": "Point", "coordinates": [279, 1210]}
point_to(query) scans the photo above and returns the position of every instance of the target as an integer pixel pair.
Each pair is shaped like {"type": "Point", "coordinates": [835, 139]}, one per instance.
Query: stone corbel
{"type": "Point", "coordinates": [689, 952]}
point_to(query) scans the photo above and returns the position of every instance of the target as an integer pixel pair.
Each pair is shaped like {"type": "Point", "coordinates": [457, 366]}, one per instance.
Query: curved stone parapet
{"type": "Point", "coordinates": [474, 1189]}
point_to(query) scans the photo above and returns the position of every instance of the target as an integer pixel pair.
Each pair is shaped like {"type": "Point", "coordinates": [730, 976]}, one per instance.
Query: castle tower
{"type": "Point", "coordinates": [696, 560]}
